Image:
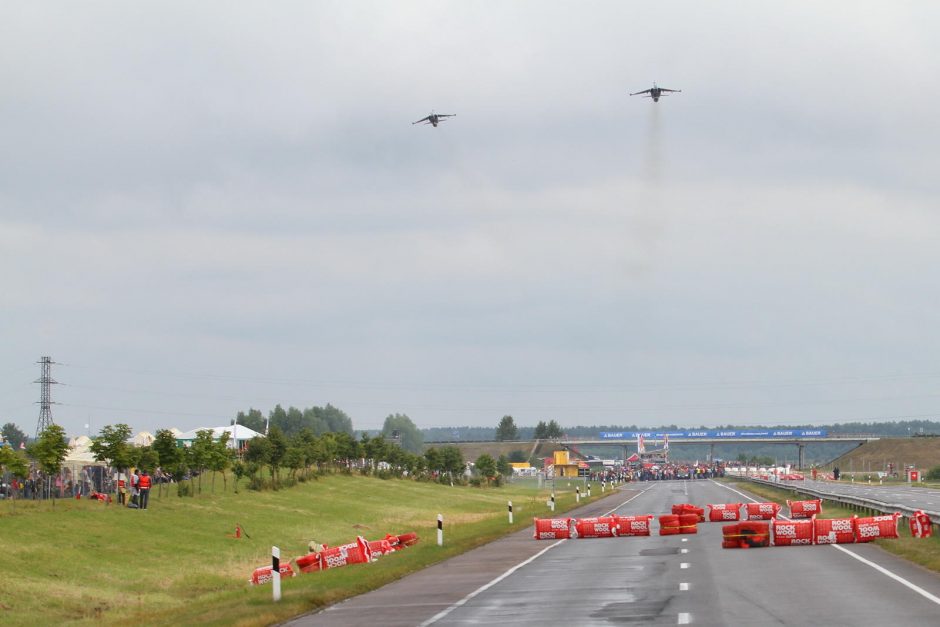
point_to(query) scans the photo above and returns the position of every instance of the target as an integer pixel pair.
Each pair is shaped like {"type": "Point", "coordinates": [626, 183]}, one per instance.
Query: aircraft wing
{"type": "Point", "coordinates": [446, 115]}
{"type": "Point", "coordinates": [645, 91]}
{"type": "Point", "coordinates": [664, 89]}
{"type": "Point", "coordinates": [427, 119]}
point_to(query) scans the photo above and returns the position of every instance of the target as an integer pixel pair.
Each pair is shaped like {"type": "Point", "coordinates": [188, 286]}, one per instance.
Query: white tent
{"type": "Point", "coordinates": [143, 439]}
{"type": "Point", "coordinates": [238, 435]}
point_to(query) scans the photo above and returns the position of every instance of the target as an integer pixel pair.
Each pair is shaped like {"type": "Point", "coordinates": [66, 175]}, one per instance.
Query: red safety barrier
{"type": "Point", "coordinates": [688, 508]}
{"type": "Point", "coordinates": [357, 552]}
{"type": "Point", "coordinates": [552, 528]}
{"type": "Point", "coordinates": [405, 539]}
{"type": "Point", "coordinates": [754, 534]}
{"type": "Point", "coordinates": [380, 547]}
{"type": "Point", "coordinates": [265, 573]}
{"type": "Point", "coordinates": [688, 523]}
{"type": "Point", "coordinates": [724, 511]}
{"type": "Point", "coordinates": [921, 525]}
{"type": "Point", "coordinates": [762, 511]}
{"type": "Point", "coordinates": [793, 532]}
{"type": "Point", "coordinates": [669, 525]}
{"type": "Point", "coordinates": [834, 530]}
{"type": "Point", "coordinates": [309, 563]}
{"type": "Point", "coordinates": [804, 509]}
{"type": "Point", "coordinates": [746, 534]}
{"type": "Point", "coordinates": [603, 527]}
{"type": "Point", "coordinates": [868, 529]}
{"type": "Point", "coordinates": [634, 525]}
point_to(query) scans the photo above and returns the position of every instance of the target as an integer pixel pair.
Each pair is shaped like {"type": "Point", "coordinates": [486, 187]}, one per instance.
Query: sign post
{"type": "Point", "coordinates": [276, 572]}
{"type": "Point", "coordinates": [440, 530]}
{"type": "Point", "coordinates": [510, 512]}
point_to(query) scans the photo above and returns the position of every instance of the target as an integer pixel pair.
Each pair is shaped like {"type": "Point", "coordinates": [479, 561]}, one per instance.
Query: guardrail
{"type": "Point", "coordinates": [852, 501]}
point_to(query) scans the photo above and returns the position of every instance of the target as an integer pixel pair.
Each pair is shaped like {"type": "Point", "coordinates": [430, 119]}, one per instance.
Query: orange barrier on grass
{"type": "Point", "coordinates": [266, 573]}
{"type": "Point", "coordinates": [874, 527]}
{"type": "Point", "coordinates": [921, 526]}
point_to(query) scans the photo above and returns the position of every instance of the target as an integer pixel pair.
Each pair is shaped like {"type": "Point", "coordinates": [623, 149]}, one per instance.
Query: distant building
{"type": "Point", "coordinates": [239, 435]}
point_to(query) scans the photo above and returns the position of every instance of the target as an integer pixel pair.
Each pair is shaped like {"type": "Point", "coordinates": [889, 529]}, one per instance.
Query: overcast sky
{"type": "Point", "coordinates": [206, 207]}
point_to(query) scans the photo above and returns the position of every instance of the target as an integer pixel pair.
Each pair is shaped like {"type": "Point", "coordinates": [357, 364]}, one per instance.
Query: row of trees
{"type": "Point", "coordinates": [290, 421]}
{"type": "Point", "coordinates": [508, 431]}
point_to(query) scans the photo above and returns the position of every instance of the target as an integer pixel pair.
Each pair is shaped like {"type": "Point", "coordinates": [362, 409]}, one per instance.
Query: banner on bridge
{"type": "Point", "coordinates": [706, 435]}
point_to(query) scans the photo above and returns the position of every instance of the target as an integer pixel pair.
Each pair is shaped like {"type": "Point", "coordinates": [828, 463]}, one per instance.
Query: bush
{"type": "Point", "coordinates": [933, 474]}
{"type": "Point", "coordinates": [182, 489]}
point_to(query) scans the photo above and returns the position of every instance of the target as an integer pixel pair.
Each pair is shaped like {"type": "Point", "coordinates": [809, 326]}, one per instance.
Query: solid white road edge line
{"type": "Point", "coordinates": [684, 618]}
{"type": "Point", "coordinates": [492, 583]}
{"type": "Point", "coordinates": [880, 569]}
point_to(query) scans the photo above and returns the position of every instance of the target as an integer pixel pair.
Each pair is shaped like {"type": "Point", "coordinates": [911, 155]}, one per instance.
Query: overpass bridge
{"type": "Point", "coordinates": [794, 437]}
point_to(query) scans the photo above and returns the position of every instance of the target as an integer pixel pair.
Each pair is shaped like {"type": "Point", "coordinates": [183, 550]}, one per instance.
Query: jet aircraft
{"type": "Point", "coordinates": [655, 92]}
{"type": "Point", "coordinates": [435, 118]}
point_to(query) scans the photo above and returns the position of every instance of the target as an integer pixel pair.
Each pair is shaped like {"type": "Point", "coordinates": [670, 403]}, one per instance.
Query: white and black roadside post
{"type": "Point", "coordinates": [276, 572]}
{"type": "Point", "coordinates": [510, 512]}
{"type": "Point", "coordinates": [440, 530]}
{"type": "Point", "coordinates": [553, 501]}
{"type": "Point", "coordinates": [589, 490]}
{"type": "Point", "coordinates": [577, 494]}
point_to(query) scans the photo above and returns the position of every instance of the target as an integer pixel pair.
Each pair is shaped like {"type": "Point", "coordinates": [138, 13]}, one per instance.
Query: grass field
{"type": "Point", "coordinates": [176, 563]}
{"type": "Point", "coordinates": [923, 551]}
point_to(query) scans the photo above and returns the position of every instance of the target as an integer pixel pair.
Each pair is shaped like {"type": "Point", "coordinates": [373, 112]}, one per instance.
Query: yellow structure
{"type": "Point", "coordinates": [564, 467]}
{"type": "Point", "coordinates": [520, 465]}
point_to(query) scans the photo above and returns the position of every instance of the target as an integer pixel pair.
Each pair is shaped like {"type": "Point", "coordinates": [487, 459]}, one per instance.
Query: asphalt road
{"type": "Point", "coordinates": [918, 498]}
{"type": "Point", "coordinates": [656, 580]}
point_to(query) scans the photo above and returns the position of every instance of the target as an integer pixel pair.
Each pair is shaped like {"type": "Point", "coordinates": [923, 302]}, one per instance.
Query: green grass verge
{"type": "Point", "coordinates": [923, 551]}
{"type": "Point", "coordinates": [176, 563]}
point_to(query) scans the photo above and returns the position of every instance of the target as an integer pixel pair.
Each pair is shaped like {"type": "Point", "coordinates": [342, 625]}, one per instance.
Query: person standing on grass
{"type": "Point", "coordinates": [135, 485]}
{"type": "Point", "coordinates": [144, 488]}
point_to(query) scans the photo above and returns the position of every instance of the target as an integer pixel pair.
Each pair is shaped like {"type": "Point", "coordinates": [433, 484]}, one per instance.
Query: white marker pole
{"type": "Point", "coordinates": [603, 486]}
{"type": "Point", "coordinates": [577, 494]}
{"type": "Point", "coordinates": [510, 512]}
{"type": "Point", "coordinates": [276, 572]}
{"type": "Point", "coordinates": [589, 490]}
{"type": "Point", "coordinates": [440, 530]}
{"type": "Point", "coordinates": [553, 501]}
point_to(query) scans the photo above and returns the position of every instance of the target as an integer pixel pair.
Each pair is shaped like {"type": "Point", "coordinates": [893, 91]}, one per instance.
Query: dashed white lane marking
{"type": "Point", "coordinates": [492, 583]}
{"type": "Point", "coordinates": [683, 550]}
{"type": "Point", "coordinates": [684, 565]}
{"type": "Point", "coordinates": [683, 586]}
{"type": "Point", "coordinates": [684, 618]}
{"type": "Point", "coordinates": [880, 569]}
{"type": "Point", "coordinates": [685, 539]}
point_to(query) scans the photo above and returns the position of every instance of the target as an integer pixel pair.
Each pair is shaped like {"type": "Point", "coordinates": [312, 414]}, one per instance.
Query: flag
{"type": "Point", "coordinates": [640, 445]}
{"type": "Point", "coordinates": [666, 442]}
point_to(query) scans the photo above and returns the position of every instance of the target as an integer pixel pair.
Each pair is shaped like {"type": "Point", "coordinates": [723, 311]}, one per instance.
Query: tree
{"type": "Point", "coordinates": [50, 451]}
{"type": "Point", "coordinates": [553, 430]}
{"type": "Point", "coordinates": [15, 463]}
{"type": "Point", "coordinates": [517, 456]}
{"type": "Point", "coordinates": [257, 454]}
{"type": "Point", "coordinates": [409, 434]}
{"type": "Point", "coordinates": [111, 446]}
{"type": "Point", "coordinates": [201, 452]}
{"type": "Point", "coordinates": [254, 420]}
{"type": "Point", "coordinates": [278, 451]}
{"type": "Point", "coordinates": [486, 466]}
{"type": "Point", "coordinates": [164, 444]}
{"type": "Point", "coordinates": [503, 466]}
{"type": "Point", "coordinates": [507, 429]}
{"type": "Point", "coordinates": [12, 435]}
{"type": "Point", "coordinates": [452, 460]}
{"type": "Point", "coordinates": [220, 458]}
{"type": "Point", "coordinates": [541, 431]}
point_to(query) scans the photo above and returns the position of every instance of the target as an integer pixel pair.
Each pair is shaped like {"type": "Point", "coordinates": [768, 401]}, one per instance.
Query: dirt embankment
{"type": "Point", "coordinates": [924, 453]}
